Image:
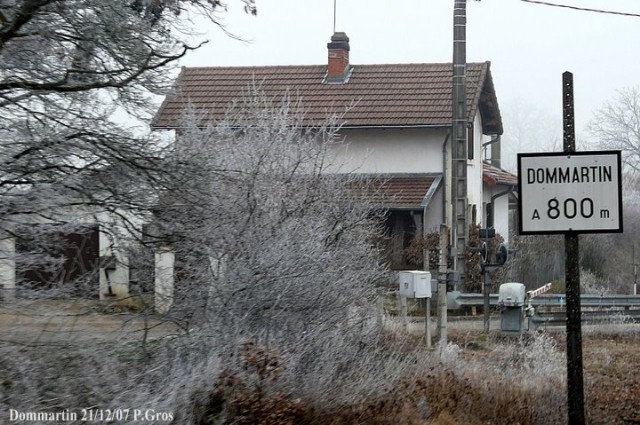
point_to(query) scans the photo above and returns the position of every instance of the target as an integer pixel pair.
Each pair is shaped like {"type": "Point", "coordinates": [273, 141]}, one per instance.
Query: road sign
{"type": "Point", "coordinates": [578, 192]}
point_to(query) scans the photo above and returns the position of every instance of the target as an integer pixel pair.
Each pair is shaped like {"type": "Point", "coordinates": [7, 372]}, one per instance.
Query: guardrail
{"type": "Point", "coordinates": [560, 318]}
{"type": "Point", "coordinates": [457, 300]}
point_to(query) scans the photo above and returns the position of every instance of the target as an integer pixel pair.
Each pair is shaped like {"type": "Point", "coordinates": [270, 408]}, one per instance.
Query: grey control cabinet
{"type": "Point", "coordinates": [511, 300]}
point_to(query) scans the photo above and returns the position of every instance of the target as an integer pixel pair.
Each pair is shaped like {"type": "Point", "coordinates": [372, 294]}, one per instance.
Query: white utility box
{"type": "Point", "coordinates": [415, 284]}
{"type": "Point", "coordinates": [511, 294]}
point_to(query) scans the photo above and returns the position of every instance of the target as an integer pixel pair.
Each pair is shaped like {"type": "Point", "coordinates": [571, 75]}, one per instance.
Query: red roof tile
{"type": "Point", "coordinates": [384, 95]}
{"type": "Point", "coordinates": [404, 191]}
{"type": "Point", "coordinates": [493, 176]}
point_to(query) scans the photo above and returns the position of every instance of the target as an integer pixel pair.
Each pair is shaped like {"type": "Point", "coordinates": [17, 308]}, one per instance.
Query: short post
{"type": "Point", "coordinates": [635, 269]}
{"type": "Point", "coordinates": [380, 312]}
{"type": "Point", "coordinates": [487, 305]}
{"type": "Point", "coordinates": [427, 321]}
{"type": "Point", "coordinates": [164, 280]}
{"type": "Point", "coordinates": [8, 268]}
{"type": "Point", "coordinates": [402, 306]}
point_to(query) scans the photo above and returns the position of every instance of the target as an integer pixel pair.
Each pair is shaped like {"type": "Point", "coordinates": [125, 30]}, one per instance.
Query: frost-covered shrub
{"type": "Point", "coordinates": [590, 284]}
{"type": "Point", "coordinates": [531, 368]}
{"type": "Point", "coordinates": [270, 236]}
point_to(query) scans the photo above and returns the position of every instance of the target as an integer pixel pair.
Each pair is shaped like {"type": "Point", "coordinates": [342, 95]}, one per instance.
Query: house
{"type": "Point", "coordinates": [396, 126]}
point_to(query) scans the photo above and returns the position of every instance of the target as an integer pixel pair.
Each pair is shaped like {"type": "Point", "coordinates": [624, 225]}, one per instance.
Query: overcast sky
{"type": "Point", "coordinates": [529, 45]}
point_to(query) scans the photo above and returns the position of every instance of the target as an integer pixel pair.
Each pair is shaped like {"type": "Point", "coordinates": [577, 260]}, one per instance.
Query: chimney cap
{"type": "Point", "coordinates": [339, 40]}
{"type": "Point", "coordinates": [340, 36]}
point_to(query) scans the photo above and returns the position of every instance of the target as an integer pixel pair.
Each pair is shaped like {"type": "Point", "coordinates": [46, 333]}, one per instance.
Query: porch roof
{"type": "Point", "coordinates": [497, 176]}
{"type": "Point", "coordinates": [405, 191]}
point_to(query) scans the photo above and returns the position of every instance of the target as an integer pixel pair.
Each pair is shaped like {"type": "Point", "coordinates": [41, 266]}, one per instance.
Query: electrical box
{"type": "Point", "coordinates": [512, 321]}
{"type": "Point", "coordinates": [415, 284]}
{"type": "Point", "coordinates": [511, 294]}
{"type": "Point", "coordinates": [511, 300]}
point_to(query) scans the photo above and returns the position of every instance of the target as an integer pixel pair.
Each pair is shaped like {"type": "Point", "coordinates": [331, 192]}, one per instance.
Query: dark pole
{"type": "Point", "coordinates": [486, 302]}
{"type": "Point", "coordinates": [575, 386]}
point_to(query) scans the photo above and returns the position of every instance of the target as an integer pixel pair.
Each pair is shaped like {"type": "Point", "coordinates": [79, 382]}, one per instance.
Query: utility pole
{"type": "Point", "coordinates": [459, 143]}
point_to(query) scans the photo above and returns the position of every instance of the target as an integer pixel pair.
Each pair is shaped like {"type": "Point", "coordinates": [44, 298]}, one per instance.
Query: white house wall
{"type": "Point", "coordinates": [501, 216]}
{"type": "Point", "coordinates": [474, 171]}
{"type": "Point", "coordinates": [393, 150]}
{"type": "Point", "coordinates": [417, 150]}
{"type": "Point", "coordinates": [412, 150]}
{"type": "Point", "coordinates": [474, 176]}
{"type": "Point", "coordinates": [500, 209]}
{"type": "Point", "coordinates": [433, 217]}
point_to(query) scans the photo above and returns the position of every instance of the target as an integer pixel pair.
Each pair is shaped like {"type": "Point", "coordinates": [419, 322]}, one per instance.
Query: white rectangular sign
{"type": "Point", "coordinates": [561, 193]}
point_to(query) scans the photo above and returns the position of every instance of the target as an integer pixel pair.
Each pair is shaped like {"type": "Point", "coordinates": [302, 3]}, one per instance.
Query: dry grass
{"type": "Point", "coordinates": [394, 379]}
{"type": "Point", "coordinates": [495, 382]}
{"type": "Point", "coordinates": [479, 379]}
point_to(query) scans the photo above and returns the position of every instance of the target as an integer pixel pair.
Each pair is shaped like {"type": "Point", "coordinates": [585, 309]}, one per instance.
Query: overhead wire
{"type": "Point", "coordinates": [584, 9]}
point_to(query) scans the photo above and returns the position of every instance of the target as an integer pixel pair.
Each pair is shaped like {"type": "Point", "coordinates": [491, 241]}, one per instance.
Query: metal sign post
{"type": "Point", "coordinates": [571, 193]}
{"type": "Point", "coordinates": [575, 384]}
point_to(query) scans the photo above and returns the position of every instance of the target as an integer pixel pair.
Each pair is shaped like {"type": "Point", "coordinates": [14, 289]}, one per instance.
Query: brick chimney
{"type": "Point", "coordinates": [338, 69]}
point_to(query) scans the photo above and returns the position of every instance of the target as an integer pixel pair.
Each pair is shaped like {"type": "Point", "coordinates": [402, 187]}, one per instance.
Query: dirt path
{"type": "Point", "coordinates": [56, 322]}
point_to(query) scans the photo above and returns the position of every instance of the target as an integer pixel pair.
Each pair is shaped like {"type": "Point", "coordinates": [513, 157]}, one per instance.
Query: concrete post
{"type": "Point", "coordinates": [402, 307]}
{"type": "Point", "coordinates": [114, 263]}
{"type": "Point", "coordinates": [164, 280]}
{"type": "Point", "coordinates": [427, 321]}
{"type": "Point", "coordinates": [8, 268]}
{"type": "Point", "coordinates": [218, 267]}
{"type": "Point", "coordinates": [120, 278]}
{"type": "Point", "coordinates": [380, 312]}
{"type": "Point", "coordinates": [459, 154]}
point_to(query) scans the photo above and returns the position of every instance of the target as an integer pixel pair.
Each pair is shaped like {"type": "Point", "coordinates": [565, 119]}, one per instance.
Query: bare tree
{"type": "Point", "coordinates": [528, 129]}
{"type": "Point", "coordinates": [282, 269]}
{"type": "Point", "coordinates": [278, 265]}
{"type": "Point", "coordinates": [610, 257]}
{"type": "Point", "coordinates": [272, 235]}
{"type": "Point", "coordinates": [77, 86]}
{"type": "Point", "coordinates": [617, 126]}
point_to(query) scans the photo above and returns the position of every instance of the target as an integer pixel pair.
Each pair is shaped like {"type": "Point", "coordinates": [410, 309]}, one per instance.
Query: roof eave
{"type": "Point", "coordinates": [346, 126]}
{"type": "Point", "coordinates": [488, 105]}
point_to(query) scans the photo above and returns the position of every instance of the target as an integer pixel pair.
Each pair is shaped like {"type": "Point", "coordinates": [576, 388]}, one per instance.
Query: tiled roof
{"type": "Point", "coordinates": [493, 176]}
{"type": "Point", "coordinates": [404, 191]}
{"type": "Point", "coordinates": [383, 95]}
